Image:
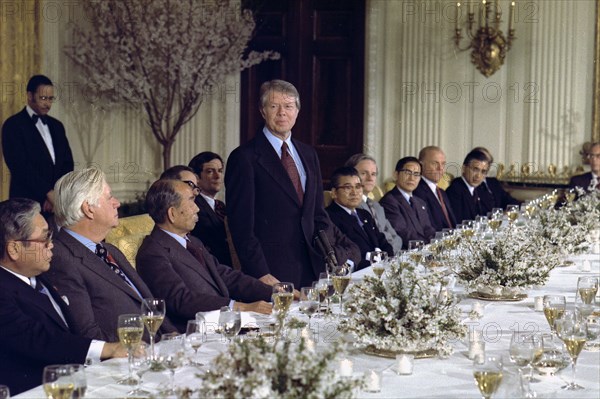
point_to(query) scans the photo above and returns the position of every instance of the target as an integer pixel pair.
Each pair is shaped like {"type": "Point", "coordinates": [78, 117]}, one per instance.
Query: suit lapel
{"type": "Point", "coordinates": [36, 137]}
{"type": "Point", "coordinates": [408, 210]}
{"type": "Point", "coordinates": [210, 213]}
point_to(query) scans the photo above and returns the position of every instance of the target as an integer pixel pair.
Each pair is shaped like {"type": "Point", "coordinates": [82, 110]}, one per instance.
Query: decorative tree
{"type": "Point", "coordinates": [166, 55]}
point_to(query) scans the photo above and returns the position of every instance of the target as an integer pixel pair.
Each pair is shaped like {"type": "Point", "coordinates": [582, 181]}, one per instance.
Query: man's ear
{"type": "Point", "coordinates": [262, 112]}
{"type": "Point", "coordinates": [87, 209]}
{"type": "Point", "coordinates": [171, 214]}
{"type": "Point", "coordinates": [13, 250]}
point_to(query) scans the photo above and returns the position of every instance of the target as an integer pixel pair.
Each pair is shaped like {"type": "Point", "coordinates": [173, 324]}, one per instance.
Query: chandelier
{"type": "Point", "coordinates": [488, 44]}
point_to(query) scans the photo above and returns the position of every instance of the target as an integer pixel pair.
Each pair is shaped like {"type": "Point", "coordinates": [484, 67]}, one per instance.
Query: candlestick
{"type": "Point", "coordinates": [404, 363]}
{"type": "Point", "coordinates": [457, 15]}
{"type": "Point", "coordinates": [346, 368]}
{"type": "Point", "coordinates": [373, 381]}
{"type": "Point", "coordinates": [476, 348]}
{"type": "Point", "coordinates": [586, 266]}
{"type": "Point", "coordinates": [539, 304]}
{"type": "Point", "coordinates": [511, 16]}
{"type": "Point", "coordinates": [477, 308]}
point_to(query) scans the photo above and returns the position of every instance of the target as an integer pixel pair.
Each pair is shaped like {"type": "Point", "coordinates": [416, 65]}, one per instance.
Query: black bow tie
{"type": "Point", "coordinates": [43, 118]}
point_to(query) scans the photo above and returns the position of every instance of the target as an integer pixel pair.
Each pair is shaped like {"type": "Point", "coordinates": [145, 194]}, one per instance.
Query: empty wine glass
{"type": "Point", "coordinates": [309, 302]}
{"type": "Point", "coordinates": [488, 372]}
{"type": "Point", "coordinates": [130, 330]}
{"type": "Point", "coordinates": [142, 363]}
{"type": "Point", "coordinates": [230, 323]}
{"type": "Point", "coordinates": [573, 333]}
{"type": "Point", "coordinates": [553, 358]}
{"type": "Point", "coordinates": [195, 335]}
{"type": "Point", "coordinates": [171, 355]}
{"type": "Point", "coordinates": [58, 381]}
{"type": "Point", "coordinates": [153, 314]}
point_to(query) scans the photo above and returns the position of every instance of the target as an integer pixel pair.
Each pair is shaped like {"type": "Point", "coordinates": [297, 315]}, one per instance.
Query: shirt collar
{"type": "Point", "coordinates": [406, 195]}
{"type": "Point", "coordinates": [209, 200]}
{"type": "Point", "coordinates": [26, 280]}
{"type": "Point", "coordinates": [178, 238]}
{"type": "Point", "coordinates": [346, 209]}
{"type": "Point", "coordinates": [89, 244]}
{"type": "Point", "coordinates": [275, 141]}
{"type": "Point", "coordinates": [470, 187]}
{"type": "Point", "coordinates": [430, 184]}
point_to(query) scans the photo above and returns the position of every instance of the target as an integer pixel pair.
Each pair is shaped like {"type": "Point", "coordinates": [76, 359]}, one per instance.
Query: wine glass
{"type": "Point", "coordinates": [587, 287]}
{"type": "Point", "coordinates": [172, 353]}
{"type": "Point", "coordinates": [573, 333]}
{"type": "Point", "coordinates": [553, 358]}
{"type": "Point", "coordinates": [378, 259]}
{"type": "Point", "coordinates": [325, 287]}
{"type": "Point", "coordinates": [130, 329]}
{"type": "Point", "coordinates": [414, 248]}
{"type": "Point", "coordinates": [487, 371]}
{"type": "Point", "coordinates": [570, 195]}
{"type": "Point", "coordinates": [309, 302]}
{"type": "Point", "coordinates": [58, 381]}
{"type": "Point", "coordinates": [512, 211]}
{"type": "Point", "coordinates": [554, 308]}
{"type": "Point", "coordinates": [195, 335]}
{"type": "Point", "coordinates": [283, 296]}
{"type": "Point", "coordinates": [153, 314]}
{"type": "Point", "coordinates": [525, 349]}
{"type": "Point", "coordinates": [79, 380]}
{"type": "Point", "coordinates": [142, 362]}
{"type": "Point", "coordinates": [230, 323]}
{"type": "Point", "coordinates": [4, 392]}
{"type": "Point", "coordinates": [341, 279]}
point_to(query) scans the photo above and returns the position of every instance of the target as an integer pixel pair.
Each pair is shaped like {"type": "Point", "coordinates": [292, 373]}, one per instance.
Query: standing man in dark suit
{"type": "Point", "coordinates": [356, 224]}
{"type": "Point", "coordinates": [591, 180]}
{"type": "Point", "coordinates": [95, 276]}
{"type": "Point", "coordinates": [433, 162]}
{"type": "Point", "coordinates": [210, 228]}
{"type": "Point", "coordinates": [35, 146]}
{"type": "Point", "coordinates": [36, 321]}
{"type": "Point", "coordinates": [467, 195]}
{"type": "Point", "coordinates": [178, 268]}
{"type": "Point", "coordinates": [407, 214]}
{"type": "Point", "coordinates": [274, 195]}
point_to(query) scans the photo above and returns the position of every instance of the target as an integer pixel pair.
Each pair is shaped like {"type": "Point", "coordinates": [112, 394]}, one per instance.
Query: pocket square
{"type": "Point", "coordinates": [65, 299]}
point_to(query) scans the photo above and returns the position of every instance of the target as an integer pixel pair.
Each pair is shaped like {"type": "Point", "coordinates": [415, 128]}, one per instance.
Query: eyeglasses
{"type": "Point", "coordinates": [192, 185]}
{"type": "Point", "coordinates": [46, 240]}
{"type": "Point", "coordinates": [348, 187]}
{"type": "Point", "coordinates": [410, 173]}
{"type": "Point", "coordinates": [47, 98]}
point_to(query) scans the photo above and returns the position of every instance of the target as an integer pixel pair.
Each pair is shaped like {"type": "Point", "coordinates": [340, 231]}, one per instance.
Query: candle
{"type": "Point", "coordinates": [346, 368]}
{"type": "Point", "coordinates": [586, 266]}
{"type": "Point", "coordinates": [511, 16]}
{"type": "Point", "coordinates": [372, 381]}
{"type": "Point", "coordinates": [596, 249]}
{"type": "Point", "coordinates": [477, 308]}
{"type": "Point", "coordinates": [310, 345]}
{"type": "Point", "coordinates": [476, 348]}
{"type": "Point", "coordinates": [475, 335]}
{"type": "Point", "coordinates": [457, 15]}
{"type": "Point", "coordinates": [404, 364]}
{"type": "Point", "coordinates": [539, 303]}
{"type": "Point", "coordinates": [470, 4]}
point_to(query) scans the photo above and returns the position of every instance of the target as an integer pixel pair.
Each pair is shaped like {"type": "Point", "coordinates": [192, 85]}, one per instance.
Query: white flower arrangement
{"type": "Point", "coordinates": [276, 367]}
{"type": "Point", "coordinates": [517, 257]}
{"type": "Point", "coordinates": [405, 312]}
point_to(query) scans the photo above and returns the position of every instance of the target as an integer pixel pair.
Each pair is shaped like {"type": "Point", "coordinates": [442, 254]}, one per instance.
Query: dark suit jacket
{"type": "Point", "coordinates": [345, 249]}
{"type": "Point", "coordinates": [464, 204]}
{"type": "Point", "coordinates": [408, 225]}
{"type": "Point", "coordinates": [436, 215]}
{"type": "Point", "coordinates": [174, 274]}
{"type": "Point", "coordinates": [33, 335]}
{"type": "Point", "coordinates": [367, 237]}
{"type": "Point", "coordinates": [582, 181]}
{"type": "Point", "coordinates": [501, 197]}
{"type": "Point", "coordinates": [271, 231]}
{"type": "Point", "coordinates": [97, 296]}
{"type": "Point", "coordinates": [210, 229]}
{"type": "Point", "coordinates": [32, 172]}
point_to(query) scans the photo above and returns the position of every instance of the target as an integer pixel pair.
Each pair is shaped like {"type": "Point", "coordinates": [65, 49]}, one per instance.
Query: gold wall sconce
{"type": "Point", "coordinates": [488, 44]}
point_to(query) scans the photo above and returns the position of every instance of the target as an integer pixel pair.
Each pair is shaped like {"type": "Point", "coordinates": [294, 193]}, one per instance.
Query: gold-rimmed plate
{"type": "Point", "coordinates": [494, 297]}
{"type": "Point", "coordinates": [424, 354]}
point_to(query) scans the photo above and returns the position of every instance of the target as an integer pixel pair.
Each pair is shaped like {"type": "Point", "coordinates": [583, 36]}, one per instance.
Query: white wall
{"type": "Point", "coordinates": [419, 91]}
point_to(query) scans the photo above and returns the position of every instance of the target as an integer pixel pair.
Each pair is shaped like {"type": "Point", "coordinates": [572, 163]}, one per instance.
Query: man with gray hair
{"type": "Point", "coordinates": [367, 170]}
{"type": "Point", "coordinates": [95, 276]}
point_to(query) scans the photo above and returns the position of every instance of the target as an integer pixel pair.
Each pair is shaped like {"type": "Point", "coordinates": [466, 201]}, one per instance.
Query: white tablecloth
{"type": "Point", "coordinates": [432, 378]}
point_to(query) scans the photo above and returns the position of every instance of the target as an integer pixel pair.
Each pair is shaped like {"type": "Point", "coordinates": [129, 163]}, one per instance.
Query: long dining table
{"type": "Point", "coordinates": [451, 377]}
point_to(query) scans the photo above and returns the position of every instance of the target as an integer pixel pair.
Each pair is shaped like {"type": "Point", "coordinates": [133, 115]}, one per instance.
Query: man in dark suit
{"type": "Point", "coordinates": [467, 195]}
{"type": "Point", "coordinates": [275, 197]}
{"type": "Point", "coordinates": [35, 319]}
{"type": "Point", "coordinates": [35, 146]}
{"type": "Point", "coordinates": [356, 224]}
{"type": "Point", "coordinates": [95, 276]}
{"type": "Point", "coordinates": [591, 180]}
{"type": "Point", "coordinates": [433, 162]}
{"type": "Point", "coordinates": [501, 197]}
{"type": "Point", "coordinates": [210, 228]}
{"type": "Point", "coordinates": [407, 214]}
{"type": "Point", "coordinates": [178, 268]}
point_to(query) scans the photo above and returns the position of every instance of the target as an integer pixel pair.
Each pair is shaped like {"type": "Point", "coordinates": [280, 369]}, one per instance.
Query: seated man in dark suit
{"type": "Point", "coordinates": [178, 268]}
{"type": "Point", "coordinates": [433, 162]}
{"type": "Point", "coordinates": [357, 224]}
{"type": "Point", "coordinates": [501, 197]}
{"type": "Point", "coordinates": [591, 180]}
{"type": "Point", "coordinates": [95, 276]}
{"type": "Point", "coordinates": [467, 195]}
{"type": "Point", "coordinates": [36, 321]}
{"type": "Point", "coordinates": [407, 214]}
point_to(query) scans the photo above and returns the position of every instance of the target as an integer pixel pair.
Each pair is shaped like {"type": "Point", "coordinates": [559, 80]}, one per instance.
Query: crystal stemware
{"type": "Point", "coordinates": [554, 308]}
{"type": "Point", "coordinates": [142, 363]}
{"type": "Point", "coordinates": [309, 302]}
{"type": "Point", "coordinates": [171, 355]}
{"type": "Point", "coordinates": [283, 296]}
{"type": "Point", "coordinates": [195, 336]}
{"type": "Point", "coordinates": [587, 287]}
{"type": "Point", "coordinates": [325, 287]}
{"type": "Point", "coordinates": [130, 330]}
{"type": "Point", "coordinates": [487, 371]}
{"type": "Point", "coordinates": [341, 279]}
{"type": "Point", "coordinates": [79, 380]}
{"type": "Point", "coordinates": [573, 332]}
{"type": "Point", "coordinates": [153, 314]}
{"type": "Point", "coordinates": [230, 323]}
{"type": "Point", "coordinates": [58, 381]}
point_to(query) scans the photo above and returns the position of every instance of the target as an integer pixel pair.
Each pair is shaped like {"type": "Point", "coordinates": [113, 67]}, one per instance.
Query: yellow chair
{"type": "Point", "coordinates": [129, 234]}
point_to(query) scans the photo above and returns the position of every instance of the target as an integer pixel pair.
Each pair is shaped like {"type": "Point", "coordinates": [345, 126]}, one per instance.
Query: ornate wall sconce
{"type": "Point", "coordinates": [487, 42]}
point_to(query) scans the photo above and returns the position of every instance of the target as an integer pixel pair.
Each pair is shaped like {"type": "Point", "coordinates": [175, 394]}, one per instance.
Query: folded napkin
{"type": "Point", "coordinates": [212, 319]}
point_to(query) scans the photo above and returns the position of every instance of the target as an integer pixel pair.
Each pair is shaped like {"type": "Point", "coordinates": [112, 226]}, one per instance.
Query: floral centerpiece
{"type": "Point", "coordinates": [279, 366]}
{"type": "Point", "coordinates": [410, 311]}
{"type": "Point", "coordinates": [517, 258]}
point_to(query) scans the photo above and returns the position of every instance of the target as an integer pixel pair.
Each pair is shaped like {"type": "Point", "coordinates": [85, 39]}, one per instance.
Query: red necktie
{"type": "Point", "coordinates": [443, 204]}
{"type": "Point", "coordinates": [220, 209]}
{"type": "Point", "coordinates": [290, 167]}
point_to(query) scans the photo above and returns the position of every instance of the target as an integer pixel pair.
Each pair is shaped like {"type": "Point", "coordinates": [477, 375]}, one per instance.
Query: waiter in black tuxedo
{"type": "Point", "coordinates": [35, 146]}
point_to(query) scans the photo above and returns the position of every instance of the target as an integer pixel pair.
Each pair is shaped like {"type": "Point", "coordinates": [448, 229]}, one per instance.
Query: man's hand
{"type": "Point", "coordinates": [258, 307]}
{"type": "Point", "coordinates": [112, 349]}
{"type": "Point", "coordinates": [269, 279]}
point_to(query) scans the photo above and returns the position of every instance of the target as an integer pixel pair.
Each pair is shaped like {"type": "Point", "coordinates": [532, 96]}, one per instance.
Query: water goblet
{"type": "Point", "coordinates": [587, 287]}
{"type": "Point", "coordinates": [142, 362]}
{"type": "Point", "coordinates": [153, 314]}
{"type": "Point", "coordinates": [195, 336]}
{"type": "Point", "coordinates": [130, 329]}
{"type": "Point", "coordinates": [58, 381]}
{"type": "Point", "coordinates": [553, 357]}
{"type": "Point", "coordinates": [573, 333]}
{"type": "Point", "coordinates": [309, 302]}
{"type": "Point", "coordinates": [230, 323]}
{"type": "Point", "coordinates": [171, 355]}
{"type": "Point", "coordinates": [487, 371]}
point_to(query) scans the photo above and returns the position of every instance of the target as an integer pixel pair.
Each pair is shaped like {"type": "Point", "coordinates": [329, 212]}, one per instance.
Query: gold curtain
{"type": "Point", "coordinates": [20, 52]}
{"type": "Point", "coordinates": [596, 99]}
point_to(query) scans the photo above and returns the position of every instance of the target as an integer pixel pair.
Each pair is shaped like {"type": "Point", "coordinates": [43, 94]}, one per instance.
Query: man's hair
{"type": "Point", "coordinates": [486, 152]}
{"type": "Point", "coordinates": [72, 190]}
{"type": "Point", "coordinates": [197, 163]}
{"type": "Point", "coordinates": [17, 216]}
{"type": "Point", "coordinates": [476, 155]}
{"type": "Point", "coordinates": [160, 197]}
{"type": "Point", "coordinates": [403, 161]}
{"type": "Point", "coordinates": [174, 172]}
{"type": "Point", "coordinates": [280, 86]}
{"type": "Point", "coordinates": [341, 172]}
{"type": "Point", "coordinates": [425, 150]}
{"type": "Point", "coordinates": [36, 81]}
{"type": "Point", "coordinates": [358, 158]}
